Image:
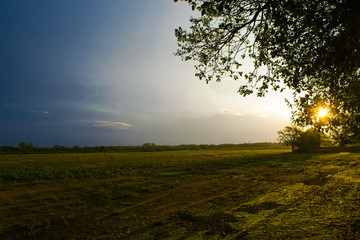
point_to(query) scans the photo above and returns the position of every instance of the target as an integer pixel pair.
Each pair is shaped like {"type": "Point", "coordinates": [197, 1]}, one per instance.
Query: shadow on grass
{"type": "Point", "coordinates": [268, 205]}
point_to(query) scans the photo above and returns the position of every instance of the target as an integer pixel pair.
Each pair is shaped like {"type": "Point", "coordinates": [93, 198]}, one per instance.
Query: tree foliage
{"type": "Point", "coordinates": [309, 140]}
{"type": "Point", "coordinates": [290, 136]}
{"type": "Point", "coordinates": [309, 46]}
{"type": "Point", "coordinates": [23, 147]}
{"type": "Point", "coordinates": [304, 141]}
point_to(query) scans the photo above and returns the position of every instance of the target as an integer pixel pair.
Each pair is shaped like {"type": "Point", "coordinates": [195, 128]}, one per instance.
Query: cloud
{"type": "Point", "coordinates": [113, 125]}
{"type": "Point", "coordinates": [40, 112]}
{"type": "Point", "coordinates": [228, 111]}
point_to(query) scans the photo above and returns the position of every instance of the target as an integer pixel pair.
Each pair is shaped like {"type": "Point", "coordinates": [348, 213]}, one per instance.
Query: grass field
{"type": "Point", "coordinates": [204, 194]}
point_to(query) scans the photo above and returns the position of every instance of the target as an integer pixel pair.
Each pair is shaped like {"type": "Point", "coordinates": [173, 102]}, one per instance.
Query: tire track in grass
{"type": "Point", "coordinates": [191, 194]}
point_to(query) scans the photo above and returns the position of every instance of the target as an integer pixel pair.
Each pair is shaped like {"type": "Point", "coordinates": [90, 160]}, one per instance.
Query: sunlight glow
{"type": "Point", "coordinates": [322, 112]}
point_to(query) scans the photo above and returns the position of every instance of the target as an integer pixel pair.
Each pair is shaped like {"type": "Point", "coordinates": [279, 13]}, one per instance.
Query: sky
{"type": "Point", "coordinates": [90, 72]}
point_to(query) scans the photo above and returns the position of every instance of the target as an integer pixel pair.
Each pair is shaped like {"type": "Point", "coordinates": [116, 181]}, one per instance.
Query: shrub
{"type": "Point", "coordinates": [309, 141]}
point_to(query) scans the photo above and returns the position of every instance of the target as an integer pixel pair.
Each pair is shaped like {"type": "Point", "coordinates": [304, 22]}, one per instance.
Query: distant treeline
{"type": "Point", "coordinates": [146, 147]}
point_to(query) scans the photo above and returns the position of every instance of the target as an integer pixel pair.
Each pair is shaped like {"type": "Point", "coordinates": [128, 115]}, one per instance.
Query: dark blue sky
{"type": "Point", "coordinates": [92, 72]}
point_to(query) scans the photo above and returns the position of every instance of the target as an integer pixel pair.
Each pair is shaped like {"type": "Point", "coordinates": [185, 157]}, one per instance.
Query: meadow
{"type": "Point", "coordinates": [248, 193]}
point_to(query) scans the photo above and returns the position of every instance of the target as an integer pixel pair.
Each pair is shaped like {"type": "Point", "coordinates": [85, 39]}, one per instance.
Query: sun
{"type": "Point", "coordinates": [322, 112]}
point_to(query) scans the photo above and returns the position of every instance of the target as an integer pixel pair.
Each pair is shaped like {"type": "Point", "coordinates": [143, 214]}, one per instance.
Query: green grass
{"type": "Point", "coordinates": [205, 194]}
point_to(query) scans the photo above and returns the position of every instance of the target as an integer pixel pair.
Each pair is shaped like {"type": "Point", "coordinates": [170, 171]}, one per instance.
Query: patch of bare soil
{"type": "Point", "coordinates": [255, 208]}
{"type": "Point", "coordinates": [320, 180]}
{"type": "Point", "coordinates": [214, 224]}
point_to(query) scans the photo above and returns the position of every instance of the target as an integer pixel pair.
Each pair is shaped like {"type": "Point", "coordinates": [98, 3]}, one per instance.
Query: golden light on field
{"type": "Point", "coordinates": [322, 112]}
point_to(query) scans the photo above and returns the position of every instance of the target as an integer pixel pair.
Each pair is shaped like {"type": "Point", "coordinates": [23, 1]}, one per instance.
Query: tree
{"type": "Point", "coordinates": [148, 147]}
{"type": "Point", "coordinates": [343, 118]}
{"type": "Point", "coordinates": [309, 140]}
{"type": "Point", "coordinates": [30, 147]}
{"type": "Point", "coordinates": [290, 136]}
{"type": "Point", "coordinates": [310, 46]}
{"type": "Point", "coordinates": [23, 147]}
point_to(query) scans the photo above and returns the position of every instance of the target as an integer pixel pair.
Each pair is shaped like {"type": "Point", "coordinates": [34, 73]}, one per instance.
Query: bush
{"type": "Point", "coordinates": [309, 141]}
